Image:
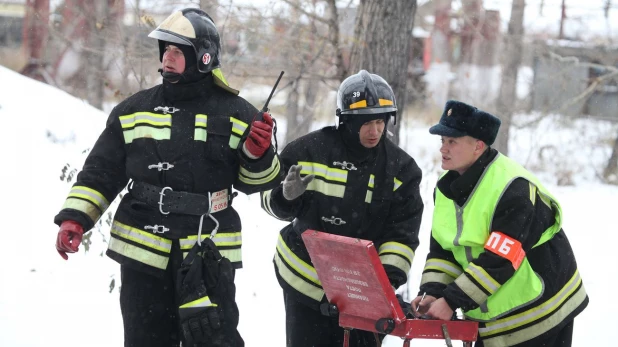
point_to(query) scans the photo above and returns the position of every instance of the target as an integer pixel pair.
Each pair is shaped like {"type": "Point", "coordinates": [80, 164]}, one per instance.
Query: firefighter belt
{"type": "Point", "coordinates": [170, 201]}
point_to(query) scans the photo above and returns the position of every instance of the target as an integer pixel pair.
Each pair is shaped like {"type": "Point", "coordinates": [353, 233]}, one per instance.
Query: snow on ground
{"type": "Point", "coordinates": [46, 301]}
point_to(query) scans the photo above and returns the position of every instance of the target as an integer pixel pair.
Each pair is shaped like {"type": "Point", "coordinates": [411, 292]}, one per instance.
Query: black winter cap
{"type": "Point", "coordinates": [460, 119]}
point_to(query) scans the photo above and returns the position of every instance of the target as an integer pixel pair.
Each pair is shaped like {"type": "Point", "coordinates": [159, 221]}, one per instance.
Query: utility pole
{"type": "Point", "coordinates": [562, 19]}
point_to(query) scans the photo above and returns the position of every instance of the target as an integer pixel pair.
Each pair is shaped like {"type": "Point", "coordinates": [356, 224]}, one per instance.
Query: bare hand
{"type": "Point", "coordinates": [419, 308]}
{"type": "Point", "coordinates": [440, 310]}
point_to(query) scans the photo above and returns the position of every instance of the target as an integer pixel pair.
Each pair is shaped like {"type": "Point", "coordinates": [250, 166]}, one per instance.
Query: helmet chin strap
{"type": "Point", "coordinates": [170, 76]}
{"type": "Point", "coordinates": [189, 75]}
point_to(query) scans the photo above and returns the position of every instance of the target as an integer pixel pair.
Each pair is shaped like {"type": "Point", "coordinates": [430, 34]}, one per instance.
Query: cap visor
{"type": "Point", "coordinates": [443, 130]}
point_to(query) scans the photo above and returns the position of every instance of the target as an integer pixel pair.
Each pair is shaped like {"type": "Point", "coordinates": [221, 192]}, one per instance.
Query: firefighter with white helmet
{"type": "Point", "coordinates": [181, 147]}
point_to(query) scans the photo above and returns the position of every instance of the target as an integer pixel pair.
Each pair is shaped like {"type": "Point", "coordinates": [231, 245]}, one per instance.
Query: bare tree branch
{"type": "Point", "coordinates": [313, 16]}
{"type": "Point", "coordinates": [586, 93]}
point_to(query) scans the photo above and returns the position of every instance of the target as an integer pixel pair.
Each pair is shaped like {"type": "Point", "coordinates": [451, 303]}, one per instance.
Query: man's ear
{"type": "Point", "coordinates": [480, 146]}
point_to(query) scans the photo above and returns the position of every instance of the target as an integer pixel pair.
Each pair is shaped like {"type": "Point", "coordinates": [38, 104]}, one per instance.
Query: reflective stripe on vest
{"type": "Point", "coordinates": [464, 231]}
{"type": "Point", "coordinates": [548, 315]}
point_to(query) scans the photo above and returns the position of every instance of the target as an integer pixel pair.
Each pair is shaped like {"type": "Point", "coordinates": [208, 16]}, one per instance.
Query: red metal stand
{"type": "Point", "coordinates": [354, 280]}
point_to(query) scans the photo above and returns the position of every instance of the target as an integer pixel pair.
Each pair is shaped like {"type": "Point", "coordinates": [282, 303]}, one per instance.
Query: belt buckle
{"type": "Point", "coordinates": [161, 195]}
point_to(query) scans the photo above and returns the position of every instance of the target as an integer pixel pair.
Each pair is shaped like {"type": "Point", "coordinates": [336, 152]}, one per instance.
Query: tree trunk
{"type": "Point", "coordinates": [210, 7]}
{"type": "Point", "coordinates": [95, 54]}
{"type": "Point", "coordinates": [311, 89]}
{"type": "Point", "coordinates": [383, 35]}
{"type": "Point", "coordinates": [506, 102]}
{"type": "Point", "coordinates": [611, 170]}
{"type": "Point", "coordinates": [292, 112]}
{"type": "Point", "coordinates": [333, 37]}
{"type": "Point", "coordinates": [300, 112]}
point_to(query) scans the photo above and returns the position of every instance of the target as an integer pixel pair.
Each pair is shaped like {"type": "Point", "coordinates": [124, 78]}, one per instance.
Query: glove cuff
{"type": "Point", "coordinates": [72, 226]}
{"type": "Point", "coordinates": [247, 153]}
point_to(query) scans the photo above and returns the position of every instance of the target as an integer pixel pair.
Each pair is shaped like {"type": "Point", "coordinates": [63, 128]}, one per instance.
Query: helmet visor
{"type": "Point", "coordinates": [163, 36]}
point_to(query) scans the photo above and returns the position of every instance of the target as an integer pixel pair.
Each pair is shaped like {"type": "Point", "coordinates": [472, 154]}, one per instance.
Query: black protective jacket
{"type": "Point", "coordinates": [375, 199]}
{"type": "Point", "coordinates": [187, 137]}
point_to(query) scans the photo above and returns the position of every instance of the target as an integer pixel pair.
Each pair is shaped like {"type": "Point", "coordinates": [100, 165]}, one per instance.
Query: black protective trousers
{"type": "Point", "coordinates": [149, 310]}
{"type": "Point", "coordinates": [149, 306]}
{"type": "Point", "coordinates": [306, 327]}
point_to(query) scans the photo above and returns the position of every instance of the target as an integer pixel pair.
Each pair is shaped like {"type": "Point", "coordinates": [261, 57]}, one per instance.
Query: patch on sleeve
{"type": "Point", "coordinates": [506, 247]}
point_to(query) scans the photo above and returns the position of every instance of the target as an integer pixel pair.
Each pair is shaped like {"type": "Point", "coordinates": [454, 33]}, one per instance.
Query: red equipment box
{"type": "Point", "coordinates": [354, 280]}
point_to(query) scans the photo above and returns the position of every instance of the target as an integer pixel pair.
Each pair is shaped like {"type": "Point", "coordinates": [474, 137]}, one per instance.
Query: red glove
{"type": "Point", "coordinates": [259, 137]}
{"type": "Point", "coordinates": [69, 238]}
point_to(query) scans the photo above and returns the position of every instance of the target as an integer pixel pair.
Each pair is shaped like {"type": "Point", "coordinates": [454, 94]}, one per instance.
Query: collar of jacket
{"type": "Point", "coordinates": [458, 187]}
{"type": "Point", "coordinates": [356, 151]}
{"type": "Point", "coordinates": [181, 91]}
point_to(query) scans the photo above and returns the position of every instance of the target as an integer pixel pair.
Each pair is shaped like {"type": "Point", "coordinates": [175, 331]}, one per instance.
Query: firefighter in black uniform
{"type": "Point", "coordinates": [347, 180]}
{"type": "Point", "coordinates": [181, 147]}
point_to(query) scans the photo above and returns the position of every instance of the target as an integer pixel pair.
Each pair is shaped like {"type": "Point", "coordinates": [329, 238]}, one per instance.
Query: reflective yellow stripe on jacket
{"type": "Point", "coordinates": [238, 128]}
{"type": "Point", "coordinates": [201, 124]}
{"type": "Point", "coordinates": [201, 302]}
{"type": "Point", "coordinates": [146, 125]}
{"type": "Point", "coordinates": [229, 244]}
{"type": "Point", "coordinates": [327, 179]}
{"type": "Point", "coordinates": [371, 184]}
{"type": "Point", "coordinates": [297, 273]}
{"type": "Point", "coordinates": [266, 203]}
{"type": "Point", "coordinates": [440, 271]}
{"type": "Point", "coordinates": [396, 254]}
{"type": "Point", "coordinates": [548, 315]}
{"type": "Point", "coordinates": [262, 177]}
{"type": "Point", "coordinates": [370, 187]}
{"type": "Point", "coordinates": [398, 184]}
{"type": "Point", "coordinates": [88, 201]}
{"type": "Point", "coordinates": [140, 245]}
